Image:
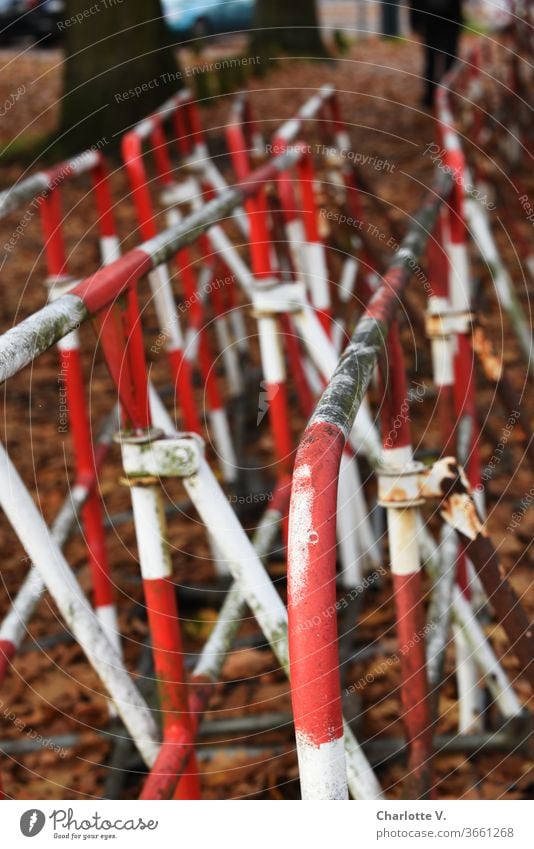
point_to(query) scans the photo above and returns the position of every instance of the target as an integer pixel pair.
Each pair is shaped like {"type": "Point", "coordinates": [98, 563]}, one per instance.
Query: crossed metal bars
{"type": "Point", "coordinates": [148, 455]}
{"type": "Point", "coordinates": [36, 334]}
{"type": "Point", "coordinates": [403, 487]}
{"type": "Point", "coordinates": [44, 188]}
{"type": "Point", "coordinates": [311, 553]}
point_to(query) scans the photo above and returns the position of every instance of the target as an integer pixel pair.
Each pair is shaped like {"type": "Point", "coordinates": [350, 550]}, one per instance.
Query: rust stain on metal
{"type": "Point", "coordinates": [396, 493]}
{"type": "Point", "coordinates": [434, 326]}
{"type": "Point", "coordinates": [447, 481]}
{"type": "Point", "coordinates": [459, 511]}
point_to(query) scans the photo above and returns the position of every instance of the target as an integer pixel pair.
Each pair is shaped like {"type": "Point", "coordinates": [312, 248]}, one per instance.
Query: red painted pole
{"type": "Point", "coordinates": [159, 589]}
{"type": "Point", "coordinates": [72, 377]}
{"type": "Point", "coordinates": [109, 238]}
{"type": "Point", "coordinates": [441, 339]}
{"type": "Point", "coordinates": [71, 369]}
{"type": "Point", "coordinates": [313, 653]}
{"type": "Point", "coordinates": [314, 664]}
{"type": "Point", "coordinates": [52, 224]}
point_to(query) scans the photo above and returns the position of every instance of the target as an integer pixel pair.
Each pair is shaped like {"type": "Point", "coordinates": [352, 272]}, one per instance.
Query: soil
{"type": "Point", "coordinates": [51, 690]}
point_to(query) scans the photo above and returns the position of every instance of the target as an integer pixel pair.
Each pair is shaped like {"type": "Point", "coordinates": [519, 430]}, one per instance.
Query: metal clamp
{"type": "Point", "coordinates": [279, 298]}
{"type": "Point", "coordinates": [153, 455]}
{"type": "Point", "coordinates": [401, 487]}
{"type": "Point", "coordinates": [180, 193]}
{"type": "Point", "coordinates": [59, 284]}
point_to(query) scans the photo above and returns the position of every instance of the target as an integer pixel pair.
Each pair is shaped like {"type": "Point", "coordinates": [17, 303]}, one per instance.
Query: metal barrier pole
{"type": "Point", "coordinates": [482, 234]}
{"type": "Point", "coordinates": [132, 153]}
{"type": "Point", "coordinates": [448, 482]}
{"type": "Point", "coordinates": [86, 477]}
{"type": "Point", "coordinates": [13, 628]}
{"type": "Point", "coordinates": [182, 457]}
{"type": "Point", "coordinates": [272, 357]}
{"type": "Point", "coordinates": [200, 347]}
{"type": "Point", "coordinates": [448, 602]}
{"type": "Point", "coordinates": [398, 493]}
{"type": "Point", "coordinates": [150, 528]}
{"type": "Point", "coordinates": [71, 370]}
{"type": "Point", "coordinates": [31, 530]}
{"type": "Point", "coordinates": [313, 249]}
{"type": "Point", "coordinates": [459, 290]}
{"type": "Point", "coordinates": [161, 606]}
{"type": "Point", "coordinates": [160, 284]}
{"type": "Point", "coordinates": [174, 752]}
{"type": "Point", "coordinates": [109, 238]}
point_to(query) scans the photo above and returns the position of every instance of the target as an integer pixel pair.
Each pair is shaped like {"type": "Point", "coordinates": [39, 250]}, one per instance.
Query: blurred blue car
{"type": "Point", "coordinates": [197, 18]}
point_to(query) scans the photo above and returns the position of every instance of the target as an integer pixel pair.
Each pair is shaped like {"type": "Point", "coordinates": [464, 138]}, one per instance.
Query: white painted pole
{"type": "Point", "coordinates": [264, 601]}
{"type": "Point", "coordinates": [479, 648]}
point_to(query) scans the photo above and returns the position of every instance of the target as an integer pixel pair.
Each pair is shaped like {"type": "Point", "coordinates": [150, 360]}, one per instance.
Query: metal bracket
{"type": "Point", "coordinates": [401, 487]}
{"type": "Point", "coordinates": [59, 284]}
{"type": "Point", "coordinates": [445, 322]}
{"type": "Point", "coordinates": [152, 455]}
{"type": "Point", "coordinates": [415, 483]}
{"type": "Point", "coordinates": [180, 193]}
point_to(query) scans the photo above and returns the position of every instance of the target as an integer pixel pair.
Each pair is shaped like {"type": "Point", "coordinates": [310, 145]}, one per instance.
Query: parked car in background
{"type": "Point", "coordinates": [35, 18]}
{"type": "Point", "coordinates": [197, 18]}
{"type": "Point", "coordinates": [43, 18]}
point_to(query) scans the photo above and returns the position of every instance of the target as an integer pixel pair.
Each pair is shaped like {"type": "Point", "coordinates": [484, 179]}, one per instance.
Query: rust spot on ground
{"type": "Point", "coordinates": [396, 493]}
{"type": "Point", "coordinates": [489, 360]}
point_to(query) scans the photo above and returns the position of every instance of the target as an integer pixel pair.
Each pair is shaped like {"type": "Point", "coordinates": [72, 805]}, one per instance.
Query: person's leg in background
{"type": "Point", "coordinates": [441, 50]}
{"type": "Point", "coordinates": [451, 38]}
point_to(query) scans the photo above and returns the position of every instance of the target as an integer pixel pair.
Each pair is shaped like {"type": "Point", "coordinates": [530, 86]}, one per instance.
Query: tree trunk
{"type": "Point", "coordinates": [287, 27]}
{"type": "Point", "coordinates": [119, 66]}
